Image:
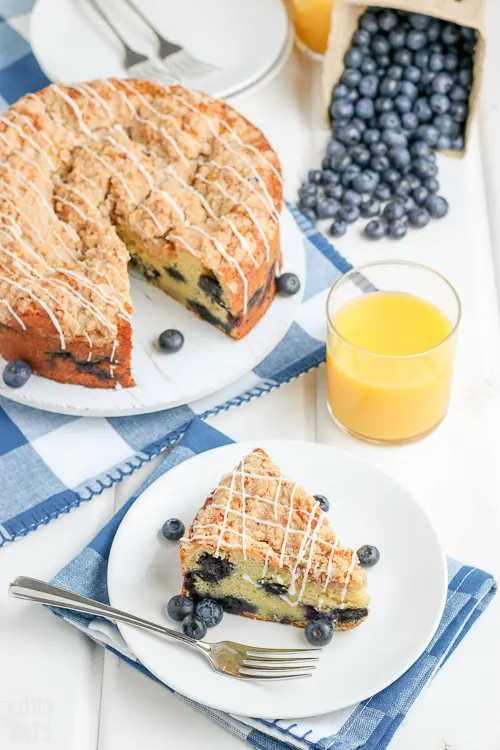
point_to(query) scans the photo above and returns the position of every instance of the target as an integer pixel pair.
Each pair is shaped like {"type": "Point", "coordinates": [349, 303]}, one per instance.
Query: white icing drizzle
{"type": "Point", "coordinates": [302, 549]}
{"type": "Point", "coordinates": [247, 578]}
{"type": "Point", "coordinates": [28, 138]}
{"type": "Point", "coordinates": [14, 314]}
{"type": "Point", "coordinates": [42, 304]}
{"type": "Point", "coordinates": [347, 580]}
{"type": "Point", "coordinates": [330, 561]}
{"type": "Point", "coordinates": [312, 547]}
{"type": "Point", "coordinates": [287, 530]}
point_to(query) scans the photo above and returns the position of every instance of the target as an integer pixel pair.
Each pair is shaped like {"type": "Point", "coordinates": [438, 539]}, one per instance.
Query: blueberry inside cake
{"type": "Point", "coordinates": [95, 177]}
{"type": "Point", "coordinates": [264, 549]}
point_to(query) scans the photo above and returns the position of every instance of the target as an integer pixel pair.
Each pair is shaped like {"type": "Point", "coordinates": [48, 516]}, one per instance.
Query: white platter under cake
{"type": "Point", "coordinates": [246, 41]}
{"type": "Point", "coordinates": [408, 586]}
{"type": "Point", "coordinates": [208, 362]}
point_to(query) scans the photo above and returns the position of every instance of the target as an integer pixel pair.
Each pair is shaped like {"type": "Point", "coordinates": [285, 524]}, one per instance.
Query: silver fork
{"type": "Point", "coordinates": [226, 657]}
{"type": "Point", "coordinates": [135, 63]}
{"type": "Point", "coordinates": [176, 59]}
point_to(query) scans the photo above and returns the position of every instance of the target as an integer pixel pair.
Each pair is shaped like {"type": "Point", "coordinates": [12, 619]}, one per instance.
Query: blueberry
{"type": "Point", "coordinates": [436, 48]}
{"type": "Point", "coordinates": [422, 109]}
{"type": "Point", "coordinates": [308, 188]}
{"type": "Point", "coordinates": [450, 61]}
{"type": "Point", "coordinates": [339, 91]}
{"type": "Point", "coordinates": [375, 229]}
{"type": "Point", "coordinates": [383, 62]}
{"type": "Point", "coordinates": [371, 135]}
{"type": "Point", "coordinates": [412, 74]}
{"type": "Point", "coordinates": [341, 109]}
{"type": "Point", "coordinates": [459, 94]}
{"type": "Point", "coordinates": [470, 35]}
{"type": "Point", "coordinates": [382, 192]}
{"type": "Point", "coordinates": [16, 373]}
{"type": "Point", "coordinates": [309, 214]}
{"type": "Point", "coordinates": [395, 72]}
{"type": "Point", "coordinates": [437, 206]}
{"type": "Point", "coordinates": [415, 40]}
{"type": "Point", "coordinates": [352, 97]}
{"type": "Point", "coordinates": [352, 198]}
{"type": "Point", "coordinates": [424, 168]}
{"type": "Point", "coordinates": [443, 143]}
{"type": "Point", "coordinates": [348, 135]}
{"type": "Point", "coordinates": [434, 30]}
{"type": "Point", "coordinates": [334, 191]}
{"type": "Point", "coordinates": [306, 201]}
{"type": "Point", "coordinates": [409, 89]}
{"type": "Point", "coordinates": [360, 155]}
{"type": "Point", "coordinates": [431, 184]}
{"type": "Point", "coordinates": [440, 103]}
{"type": "Point", "coordinates": [391, 176]}
{"type": "Point", "coordinates": [418, 21]}
{"type": "Point", "coordinates": [422, 59]}
{"type": "Point", "coordinates": [426, 80]}
{"type": "Point", "coordinates": [420, 195]}
{"type": "Point", "coordinates": [429, 134]}
{"type": "Point", "coordinates": [287, 284]}
{"type": "Point", "coordinates": [451, 33]}
{"type": "Point", "coordinates": [442, 83]}
{"type": "Point", "coordinates": [338, 228]}
{"type": "Point", "coordinates": [179, 607]}
{"type": "Point", "coordinates": [410, 204]}
{"type": "Point", "coordinates": [364, 183]}
{"type": "Point", "coordinates": [378, 149]}
{"type": "Point", "coordinates": [394, 210]}
{"type": "Point", "coordinates": [323, 501]}
{"type": "Point", "coordinates": [314, 176]}
{"type": "Point", "coordinates": [388, 20]}
{"type": "Point", "coordinates": [368, 86]}
{"type": "Point", "coordinates": [369, 22]}
{"type": "Point", "coordinates": [419, 218]}
{"type": "Point", "coordinates": [403, 104]}
{"type": "Point", "coordinates": [330, 177]}
{"type": "Point", "coordinates": [361, 38]}
{"type": "Point", "coordinates": [420, 149]}
{"type": "Point", "coordinates": [353, 58]}
{"type": "Point", "coordinates": [383, 104]}
{"type": "Point", "coordinates": [365, 108]}
{"type": "Point", "coordinates": [368, 555]}
{"type": "Point", "coordinates": [349, 213]}
{"type": "Point", "coordinates": [319, 632]}
{"type": "Point", "coordinates": [400, 157]}
{"type": "Point", "coordinates": [193, 627]}
{"type": "Point", "coordinates": [210, 612]}
{"type": "Point", "coordinates": [370, 208]}
{"type": "Point", "coordinates": [414, 181]}
{"type": "Point", "coordinates": [409, 120]}
{"type": "Point", "coordinates": [380, 163]}
{"type": "Point", "coordinates": [458, 143]}
{"type": "Point", "coordinates": [388, 87]}
{"type": "Point", "coordinates": [446, 124]}
{"type": "Point", "coordinates": [397, 38]}
{"type": "Point", "coordinates": [327, 209]}
{"type": "Point", "coordinates": [389, 120]}
{"type": "Point", "coordinates": [334, 148]}
{"type": "Point", "coordinates": [173, 529]}
{"type": "Point", "coordinates": [340, 163]}
{"type": "Point", "coordinates": [459, 112]}
{"type": "Point", "coordinates": [398, 228]}
{"type": "Point", "coordinates": [356, 122]}
{"type": "Point", "coordinates": [368, 66]}
{"type": "Point", "coordinates": [403, 57]}
{"type": "Point", "coordinates": [464, 78]}
{"type": "Point", "coordinates": [436, 62]}
{"type": "Point", "coordinates": [403, 188]}
{"type": "Point", "coordinates": [351, 77]}
{"type": "Point", "coordinates": [392, 138]}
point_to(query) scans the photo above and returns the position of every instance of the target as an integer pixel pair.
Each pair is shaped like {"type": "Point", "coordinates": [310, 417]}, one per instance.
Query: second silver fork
{"type": "Point", "coordinates": [226, 657]}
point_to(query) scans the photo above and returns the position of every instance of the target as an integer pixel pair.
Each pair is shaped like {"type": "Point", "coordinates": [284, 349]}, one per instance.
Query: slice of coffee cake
{"type": "Point", "coordinates": [264, 549]}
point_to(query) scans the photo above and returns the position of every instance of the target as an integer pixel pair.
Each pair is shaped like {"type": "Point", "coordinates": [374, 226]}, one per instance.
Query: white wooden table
{"type": "Point", "coordinates": [60, 691]}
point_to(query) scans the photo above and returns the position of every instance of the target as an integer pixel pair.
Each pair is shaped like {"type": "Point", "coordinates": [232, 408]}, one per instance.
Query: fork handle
{"type": "Point", "coordinates": [166, 48]}
{"type": "Point", "coordinates": [34, 590]}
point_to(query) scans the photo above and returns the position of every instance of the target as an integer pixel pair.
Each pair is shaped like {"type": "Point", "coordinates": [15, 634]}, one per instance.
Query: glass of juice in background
{"type": "Point", "coordinates": [311, 19]}
{"type": "Point", "coordinates": [390, 350]}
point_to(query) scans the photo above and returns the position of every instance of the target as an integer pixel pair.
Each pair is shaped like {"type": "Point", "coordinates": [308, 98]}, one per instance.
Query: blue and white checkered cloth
{"type": "Point", "coordinates": [367, 726]}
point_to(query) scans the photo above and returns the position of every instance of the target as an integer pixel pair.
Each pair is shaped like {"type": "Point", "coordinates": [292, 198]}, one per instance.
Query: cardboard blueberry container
{"type": "Point", "coordinates": [345, 18]}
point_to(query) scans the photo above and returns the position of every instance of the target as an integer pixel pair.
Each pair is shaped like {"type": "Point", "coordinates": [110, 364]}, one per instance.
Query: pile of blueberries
{"type": "Point", "coordinates": [403, 95]}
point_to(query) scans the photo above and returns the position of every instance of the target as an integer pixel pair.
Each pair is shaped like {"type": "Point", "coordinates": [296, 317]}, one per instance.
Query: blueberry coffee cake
{"type": "Point", "coordinates": [95, 176]}
{"type": "Point", "coordinates": [263, 548]}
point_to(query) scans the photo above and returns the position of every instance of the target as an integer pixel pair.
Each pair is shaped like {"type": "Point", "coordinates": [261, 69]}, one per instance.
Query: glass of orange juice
{"type": "Point", "coordinates": [392, 329]}
{"type": "Point", "coordinates": [311, 19]}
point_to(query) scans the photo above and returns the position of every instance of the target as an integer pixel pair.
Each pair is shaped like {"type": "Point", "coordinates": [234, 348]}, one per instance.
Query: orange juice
{"type": "Point", "coordinates": [390, 361]}
{"type": "Point", "coordinates": [311, 19]}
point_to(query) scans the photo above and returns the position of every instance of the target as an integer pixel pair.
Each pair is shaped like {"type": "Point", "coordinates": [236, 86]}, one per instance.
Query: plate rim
{"type": "Point", "coordinates": [268, 444]}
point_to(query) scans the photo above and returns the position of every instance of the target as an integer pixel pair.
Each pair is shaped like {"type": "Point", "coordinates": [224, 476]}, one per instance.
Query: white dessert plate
{"type": "Point", "coordinates": [408, 586]}
{"type": "Point", "coordinates": [244, 40]}
{"type": "Point", "coordinates": [208, 362]}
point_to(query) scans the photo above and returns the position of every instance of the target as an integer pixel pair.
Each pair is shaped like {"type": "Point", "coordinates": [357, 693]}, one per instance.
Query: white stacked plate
{"type": "Point", "coordinates": [246, 41]}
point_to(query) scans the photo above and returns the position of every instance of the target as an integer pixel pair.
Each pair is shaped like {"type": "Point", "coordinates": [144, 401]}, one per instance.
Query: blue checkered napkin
{"type": "Point", "coordinates": [369, 725]}
{"type": "Point", "coordinates": [50, 463]}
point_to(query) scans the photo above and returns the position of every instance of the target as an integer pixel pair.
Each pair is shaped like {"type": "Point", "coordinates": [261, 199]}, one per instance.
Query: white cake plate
{"type": "Point", "coordinates": [208, 362]}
